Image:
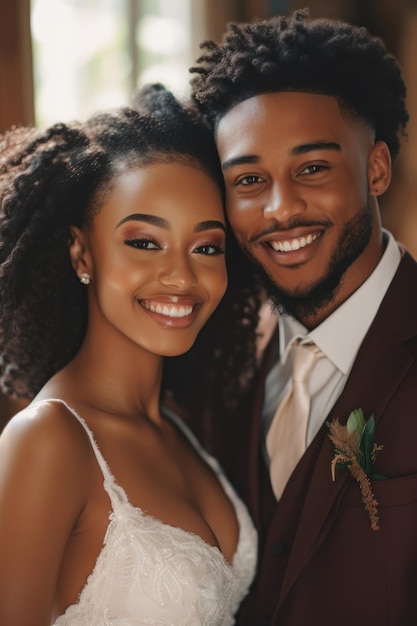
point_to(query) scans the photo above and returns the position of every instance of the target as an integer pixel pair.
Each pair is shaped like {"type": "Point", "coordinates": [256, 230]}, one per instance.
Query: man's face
{"type": "Point", "coordinates": [301, 180]}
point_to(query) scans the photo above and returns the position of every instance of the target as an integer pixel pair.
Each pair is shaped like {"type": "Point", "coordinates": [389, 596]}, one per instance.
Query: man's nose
{"type": "Point", "coordinates": [284, 202]}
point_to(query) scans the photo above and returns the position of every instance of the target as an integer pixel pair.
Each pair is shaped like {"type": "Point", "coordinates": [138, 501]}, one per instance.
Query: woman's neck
{"type": "Point", "coordinates": [114, 375]}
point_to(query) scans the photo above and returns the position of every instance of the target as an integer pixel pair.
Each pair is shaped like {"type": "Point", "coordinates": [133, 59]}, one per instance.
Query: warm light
{"type": "Point", "coordinates": [83, 61]}
{"type": "Point", "coordinates": [162, 35]}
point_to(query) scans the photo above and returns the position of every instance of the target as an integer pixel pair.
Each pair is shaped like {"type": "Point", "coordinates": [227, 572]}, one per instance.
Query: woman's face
{"type": "Point", "coordinates": [155, 254]}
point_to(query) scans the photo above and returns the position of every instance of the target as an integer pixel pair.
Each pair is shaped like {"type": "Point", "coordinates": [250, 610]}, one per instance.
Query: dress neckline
{"type": "Point", "coordinates": [118, 496]}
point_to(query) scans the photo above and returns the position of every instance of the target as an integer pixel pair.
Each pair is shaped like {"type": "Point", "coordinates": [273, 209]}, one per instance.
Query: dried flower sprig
{"type": "Point", "coordinates": [356, 451]}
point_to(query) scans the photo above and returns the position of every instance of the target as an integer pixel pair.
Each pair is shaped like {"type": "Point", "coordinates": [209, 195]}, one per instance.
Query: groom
{"type": "Point", "coordinates": [308, 116]}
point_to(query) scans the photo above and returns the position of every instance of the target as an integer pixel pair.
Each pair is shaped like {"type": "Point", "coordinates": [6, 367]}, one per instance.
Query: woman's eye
{"type": "Point", "coordinates": [249, 180]}
{"type": "Point", "coordinates": [209, 249]}
{"type": "Point", "coordinates": [142, 244]}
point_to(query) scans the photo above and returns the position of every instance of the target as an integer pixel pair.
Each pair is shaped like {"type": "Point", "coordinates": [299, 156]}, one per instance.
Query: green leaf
{"type": "Point", "coordinates": [356, 421]}
{"type": "Point", "coordinates": [366, 444]}
{"type": "Point", "coordinates": [378, 477]}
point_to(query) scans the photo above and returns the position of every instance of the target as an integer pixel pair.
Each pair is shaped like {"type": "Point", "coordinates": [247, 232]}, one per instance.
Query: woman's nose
{"type": "Point", "coordinates": [178, 272]}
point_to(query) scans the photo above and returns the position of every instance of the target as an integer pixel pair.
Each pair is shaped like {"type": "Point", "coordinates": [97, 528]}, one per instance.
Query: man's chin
{"type": "Point", "coordinates": [303, 303]}
{"type": "Point", "coordinates": [312, 302]}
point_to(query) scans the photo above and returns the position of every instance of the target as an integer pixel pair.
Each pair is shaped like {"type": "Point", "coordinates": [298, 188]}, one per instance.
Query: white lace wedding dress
{"type": "Point", "coordinates": [151, 574]}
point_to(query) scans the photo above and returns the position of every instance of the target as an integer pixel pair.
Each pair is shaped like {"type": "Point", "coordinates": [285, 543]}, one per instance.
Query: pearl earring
{"type": "Point", "coordinates": [85, 278]}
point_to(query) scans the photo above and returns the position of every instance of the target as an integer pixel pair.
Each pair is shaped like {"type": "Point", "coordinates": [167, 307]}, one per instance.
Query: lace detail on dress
{"type": "Point", "coordinates": [151, 574]}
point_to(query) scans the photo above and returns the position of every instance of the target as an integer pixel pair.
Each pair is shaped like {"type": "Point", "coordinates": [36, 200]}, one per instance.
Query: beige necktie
{"type": "Point", "coordinates": [286, 438]}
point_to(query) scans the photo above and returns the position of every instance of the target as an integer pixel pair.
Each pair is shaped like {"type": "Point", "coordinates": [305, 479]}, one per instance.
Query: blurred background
{"type": "Point", "coordinates": [63, 59]}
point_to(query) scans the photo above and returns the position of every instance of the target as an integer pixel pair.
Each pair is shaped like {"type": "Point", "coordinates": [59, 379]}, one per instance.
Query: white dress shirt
{"type": "Point", "coordinates": [339, 337]}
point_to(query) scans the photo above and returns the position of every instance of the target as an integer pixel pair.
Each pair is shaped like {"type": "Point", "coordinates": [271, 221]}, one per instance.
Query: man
{"type": "Point", "coordinates": [308, 115]}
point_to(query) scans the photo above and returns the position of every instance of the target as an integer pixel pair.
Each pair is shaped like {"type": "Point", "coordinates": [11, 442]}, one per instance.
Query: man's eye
{"type": "Point", "coordinates": [142, 244]}
{"type": "Point", "coordinates": [313, 169]}
{"type": "Point", "coordinates": [249, 180]}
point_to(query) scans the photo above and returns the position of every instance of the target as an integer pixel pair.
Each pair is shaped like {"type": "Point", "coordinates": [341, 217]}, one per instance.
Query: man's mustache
{"type": "Point", "coordinates": [281, 227]}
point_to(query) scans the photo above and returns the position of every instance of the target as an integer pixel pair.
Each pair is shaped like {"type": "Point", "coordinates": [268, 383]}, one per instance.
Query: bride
{"type": "Point", "coordinates": [112, 241]}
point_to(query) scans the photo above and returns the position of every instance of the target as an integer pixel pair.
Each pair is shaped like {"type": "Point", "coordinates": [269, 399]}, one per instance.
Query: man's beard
{"type": "Point", "coordinates": [302, 304]}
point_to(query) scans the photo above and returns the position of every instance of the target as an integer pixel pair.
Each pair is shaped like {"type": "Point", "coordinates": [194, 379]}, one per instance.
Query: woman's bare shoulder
{"type": "Point", "coordinates": [43, 434]}
{"type": "Point", "coordinates": [45, 486]}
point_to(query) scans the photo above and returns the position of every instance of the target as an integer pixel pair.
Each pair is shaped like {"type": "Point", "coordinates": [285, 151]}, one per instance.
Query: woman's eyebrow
{"type": "Point", "coordinates": [145, 217]}
{"type": "Point", "coordinates": [163, 223]}
{"type": "Point", "coordinates": [208, 224]}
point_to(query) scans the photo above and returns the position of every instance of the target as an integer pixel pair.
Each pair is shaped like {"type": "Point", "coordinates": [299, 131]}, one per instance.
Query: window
{"type": "Point", "coordinates": [93, 54]}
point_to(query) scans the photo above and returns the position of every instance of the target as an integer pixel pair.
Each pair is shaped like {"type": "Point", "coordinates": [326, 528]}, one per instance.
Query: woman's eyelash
{"type": "Point", "coordinates": [205, 247]}
{"type": "Point", "coordinates": [142, 243]}
{"type": "Point", "coordinates": [145, 243]}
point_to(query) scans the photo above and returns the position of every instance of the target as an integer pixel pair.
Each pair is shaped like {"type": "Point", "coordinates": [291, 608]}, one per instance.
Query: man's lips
{"type": "Point", "coordinates": [295, 243]}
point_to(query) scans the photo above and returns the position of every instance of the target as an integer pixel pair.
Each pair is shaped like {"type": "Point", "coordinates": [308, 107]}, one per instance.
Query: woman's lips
{"type": "Point", "coordinates": [178, 314]}
{"type": "Point", "coordinates": [169, 310]}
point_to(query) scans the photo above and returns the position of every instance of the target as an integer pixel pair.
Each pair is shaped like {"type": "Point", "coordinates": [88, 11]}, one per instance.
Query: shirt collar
{"type": "Point", "coordinates": [339, 346]}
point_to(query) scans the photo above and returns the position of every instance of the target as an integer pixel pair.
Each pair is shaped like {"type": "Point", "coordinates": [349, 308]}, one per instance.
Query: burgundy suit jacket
{"type": "Point", "coordinates": [320, 561]}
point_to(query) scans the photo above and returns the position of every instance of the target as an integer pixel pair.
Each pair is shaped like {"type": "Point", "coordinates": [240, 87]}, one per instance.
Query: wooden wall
{"type": "Point", "coordinates": [16, 86]}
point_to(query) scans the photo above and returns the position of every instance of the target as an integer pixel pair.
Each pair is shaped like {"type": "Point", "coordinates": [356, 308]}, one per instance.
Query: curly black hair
{"type": "Point", "coordinates": [298, 54]}
{"type": "Point", "coordinates": [54, 179]}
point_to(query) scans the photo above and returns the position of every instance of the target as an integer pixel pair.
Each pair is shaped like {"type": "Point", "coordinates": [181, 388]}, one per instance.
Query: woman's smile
{"type": "Point", "coordinates": [178, 314]}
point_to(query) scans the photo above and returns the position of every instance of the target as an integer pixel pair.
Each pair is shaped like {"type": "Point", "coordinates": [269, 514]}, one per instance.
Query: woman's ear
{"type": "Point", "coordinates": [79, 253]}
{"type": "Point", "coordinates": [379, 168]}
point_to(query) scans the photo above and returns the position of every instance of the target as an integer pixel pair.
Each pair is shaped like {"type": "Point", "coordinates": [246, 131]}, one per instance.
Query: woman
{"type": "Point", "coordinates": [112, 238]}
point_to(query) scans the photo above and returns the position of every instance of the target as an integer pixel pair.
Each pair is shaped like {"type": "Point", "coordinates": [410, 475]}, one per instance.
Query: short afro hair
{"type": "Point", "coordinates": [298, 54]}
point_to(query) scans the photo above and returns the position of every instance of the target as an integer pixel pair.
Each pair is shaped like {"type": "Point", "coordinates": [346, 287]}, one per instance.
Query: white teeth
{"type": "Point", "coordinates": [294, 244]}
{"type": "Point", "coordinates": [168, 310]}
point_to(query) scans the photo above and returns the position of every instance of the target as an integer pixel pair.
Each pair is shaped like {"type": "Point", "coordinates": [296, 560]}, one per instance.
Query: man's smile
{"type": "Point", "coordinates": [290, 245]}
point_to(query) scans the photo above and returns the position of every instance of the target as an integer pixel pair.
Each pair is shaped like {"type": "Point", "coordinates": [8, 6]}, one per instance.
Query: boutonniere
{"type": "Point", "coordinates": [356, 451]}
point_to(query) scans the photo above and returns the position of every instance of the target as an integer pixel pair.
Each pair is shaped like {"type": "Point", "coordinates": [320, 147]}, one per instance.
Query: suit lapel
{"type": "Point", "coordinates": [381, 364]}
